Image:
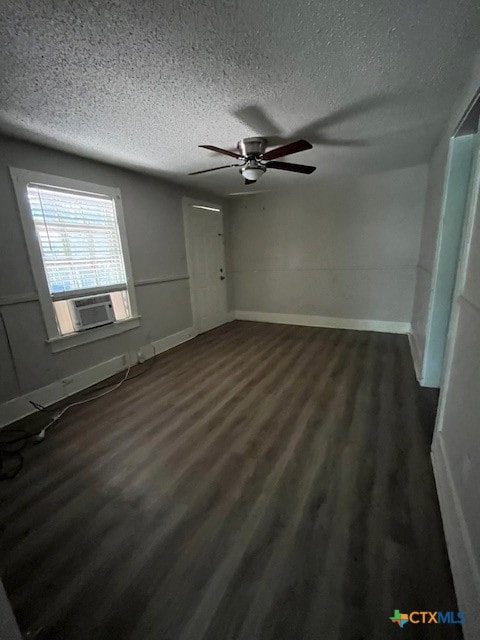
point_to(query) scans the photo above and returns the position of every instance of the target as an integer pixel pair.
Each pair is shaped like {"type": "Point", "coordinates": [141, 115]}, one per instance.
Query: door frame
{"type": "Point", "coordinates": [187, 203]}
{"type": "Point", "coordinates": [460, 166]}
{"type": "Point", "coordinates": [471, 211]}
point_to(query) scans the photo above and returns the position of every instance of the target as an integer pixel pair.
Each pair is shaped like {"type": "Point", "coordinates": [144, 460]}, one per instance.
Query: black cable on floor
{"type": "Point", "coordinates": [11, 444]}
{"type": "Point", "coordinates": [111, 384]}
{"type": "Point", "coordinates": [13, 441]}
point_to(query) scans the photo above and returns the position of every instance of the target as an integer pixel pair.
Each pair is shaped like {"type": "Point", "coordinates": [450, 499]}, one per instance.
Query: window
{"type": "Point", "coordinates": [79, 239]}
{"type": "Point", "coordinates": [77, 244]}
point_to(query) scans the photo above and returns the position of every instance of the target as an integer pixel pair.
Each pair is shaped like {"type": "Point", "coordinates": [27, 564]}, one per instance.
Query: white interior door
{"type": "Point", "coordinates": [206, 265]}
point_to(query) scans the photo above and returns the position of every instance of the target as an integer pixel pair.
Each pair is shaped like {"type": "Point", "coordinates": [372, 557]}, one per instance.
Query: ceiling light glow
{"type": "Point", "coordinates": [201, 206]}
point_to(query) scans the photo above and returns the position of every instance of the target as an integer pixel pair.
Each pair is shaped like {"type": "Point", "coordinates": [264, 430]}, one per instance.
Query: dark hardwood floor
{"type": "Point", "coordinates": [259, 482]}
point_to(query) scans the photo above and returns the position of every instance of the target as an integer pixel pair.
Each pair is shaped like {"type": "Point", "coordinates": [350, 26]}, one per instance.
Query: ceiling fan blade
{"type": "Point", "coordinates": [225, 152]}
{"type": "Point", "coordinates": [225, 166]}
{"type": "Point", "coordinates": [288, 166]}
{"type": "Point", "coordinates": [287, 149]}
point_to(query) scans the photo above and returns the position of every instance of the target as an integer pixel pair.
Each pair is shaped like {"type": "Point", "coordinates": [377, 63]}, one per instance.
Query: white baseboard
{"type": "Point", "coordinates": [173, 340]}
{"type": "Point", "coordinates": [465, 570]}
{"type": "Point", "coordinates": [383, 326]}
{"type": "Point", "coordinates": [415, 357]}
{"type": "Point", "coordinates": [20, 407]}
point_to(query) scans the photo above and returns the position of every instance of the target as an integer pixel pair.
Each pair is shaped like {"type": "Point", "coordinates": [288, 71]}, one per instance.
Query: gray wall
{"type": "Point", "coordinates": [344, 248]}
{"type": "Point", "coordinates": [154, 223]}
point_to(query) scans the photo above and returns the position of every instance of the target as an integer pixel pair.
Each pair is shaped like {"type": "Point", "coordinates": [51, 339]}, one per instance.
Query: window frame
{"type": "Point", "coordinates": [21, 179]}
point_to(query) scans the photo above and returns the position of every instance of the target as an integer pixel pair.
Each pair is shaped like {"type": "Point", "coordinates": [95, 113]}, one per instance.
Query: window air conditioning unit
{"type": "Point", "coordinates": [91, 312]}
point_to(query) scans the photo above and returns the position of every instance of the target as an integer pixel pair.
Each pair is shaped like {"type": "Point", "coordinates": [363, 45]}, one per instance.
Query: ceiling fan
{"type": "Point", "coordinates": [255, 160]}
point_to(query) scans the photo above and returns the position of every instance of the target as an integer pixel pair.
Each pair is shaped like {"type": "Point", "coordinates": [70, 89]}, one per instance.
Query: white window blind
{"type": "Point", "coordinates": [79, 239]}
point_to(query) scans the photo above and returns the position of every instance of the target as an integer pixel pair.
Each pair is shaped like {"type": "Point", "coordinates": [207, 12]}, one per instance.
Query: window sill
{"type": "Point", "coordinates": [61, 343]}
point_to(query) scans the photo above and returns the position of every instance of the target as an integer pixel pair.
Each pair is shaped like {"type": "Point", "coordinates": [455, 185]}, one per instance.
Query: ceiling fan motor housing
{"type": "Point", "coordinates": [252, 147]}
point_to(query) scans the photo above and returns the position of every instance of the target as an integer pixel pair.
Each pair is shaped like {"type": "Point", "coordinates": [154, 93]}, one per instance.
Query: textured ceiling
{"type": "Point", "coordinates": [141, 84]}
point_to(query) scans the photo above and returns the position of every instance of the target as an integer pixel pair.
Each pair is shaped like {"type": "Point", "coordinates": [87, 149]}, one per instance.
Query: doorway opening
{"type": "Point", "coordinates": [457, 186]}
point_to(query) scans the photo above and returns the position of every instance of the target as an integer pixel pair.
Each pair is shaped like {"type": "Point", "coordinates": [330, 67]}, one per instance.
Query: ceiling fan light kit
{"type": "Point", "coordinates": [252, 170]}
{"type": "Point", "coordinates": [256, 159]}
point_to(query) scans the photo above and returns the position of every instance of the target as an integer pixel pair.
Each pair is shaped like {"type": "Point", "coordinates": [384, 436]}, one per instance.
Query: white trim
{"type": "Point", "coordinates": [21, 178]}
{"type": "Point", "coordinates": [383, 326]}
{"type": "Point", "coordinates": [60, 343]}
{"type": "Point", "coordinates": [18, 298]}
{"type": "Point", "coordinates": [414, 350]}
{"type": "Point", "coordinates": [465, 570]}
{"type": "Point", "coordinates": [126, 253]}
{"type": "Point", "coordinates": [20, 407]}
{"type": "Point", "coordinates": [163, 344]}
{"type": "Point", "coordinates": [83, 293]}
{"type": "Point", "coordinates": [436, 259]}
{"type": "Point", "coordinates": [468, 228]}
{"type": "Point", "coordinates": [21, 298]}
{"type": "Point", "coordinates": [317, 267]}
{"type": "Point", "coordinates": [160, 279]}
{"type": "Point", "coordinates": [186, 202]}
{"type": "Point", "coordinates": [461, 154]}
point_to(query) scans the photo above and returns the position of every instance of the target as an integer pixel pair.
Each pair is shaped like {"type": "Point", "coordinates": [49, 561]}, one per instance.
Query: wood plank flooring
{"type": "Point", "coordinates": [259, 482]}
